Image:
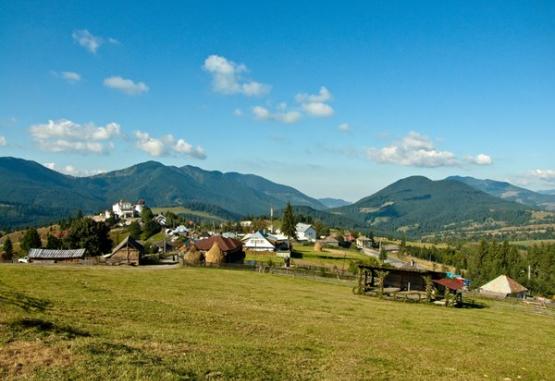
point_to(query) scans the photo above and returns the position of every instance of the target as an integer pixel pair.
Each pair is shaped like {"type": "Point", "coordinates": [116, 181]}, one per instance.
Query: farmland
{"type": "Point", "coordinates": [62, 322]}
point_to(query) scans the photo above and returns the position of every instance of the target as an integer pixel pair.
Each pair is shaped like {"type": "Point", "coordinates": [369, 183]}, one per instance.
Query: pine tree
{"type": "Point", "coordinates": [8, 249]}
{"type": "Point", "coordinates": [31, 240]}
{"type": "Point", "coordinates": [288, 226]}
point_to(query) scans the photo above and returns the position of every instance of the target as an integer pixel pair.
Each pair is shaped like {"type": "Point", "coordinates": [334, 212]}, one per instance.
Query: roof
{"type": "Point", "coordinates": [453, 284]}
{"type": "Point", "coordinates": [56, 254]}
{"type": "Point", "coordinates": [128, 242]}
{"type": "Point", "coordinates": [225, 244]}
{"type": "Point", "coordinates": [504, 285]}
{"type": "Point", "coordinates": [300, 227]}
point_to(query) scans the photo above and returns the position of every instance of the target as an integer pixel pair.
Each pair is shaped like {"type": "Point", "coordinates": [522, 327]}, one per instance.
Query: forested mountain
{"type": "Point", "coordinates": [31, 193]}
{"type": "Point", "coordinates": [333, 202]}
{"type": "Point", "coordinates": [417, 205]}
{"type": "Point", "coordinates": [508, 191]}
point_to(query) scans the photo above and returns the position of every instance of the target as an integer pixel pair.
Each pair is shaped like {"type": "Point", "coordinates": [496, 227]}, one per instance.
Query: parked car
{"type": "Point", "coordinates": [23, 260]}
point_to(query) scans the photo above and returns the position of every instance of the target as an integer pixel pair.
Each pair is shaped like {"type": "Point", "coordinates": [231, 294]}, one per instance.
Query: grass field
{"type": "Point", "coordinates": [99, 323]}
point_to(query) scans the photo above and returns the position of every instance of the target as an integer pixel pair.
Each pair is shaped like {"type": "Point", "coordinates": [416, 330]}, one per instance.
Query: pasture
{"type": "Point", "coordinates": [98, 323]}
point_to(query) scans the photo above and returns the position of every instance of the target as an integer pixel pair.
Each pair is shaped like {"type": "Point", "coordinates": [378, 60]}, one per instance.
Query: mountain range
{"type": "Point", "coordinates": [32, 194]}
{"type": "Point", "coordinates": [417, 205]}
{"type": "Point", "coordinates": [508, 191]}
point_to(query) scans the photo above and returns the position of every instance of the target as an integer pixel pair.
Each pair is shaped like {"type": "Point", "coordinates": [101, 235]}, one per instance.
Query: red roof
{"type": "Point", "coordinates": [453, 284]}
{"type": "Point", "coordinates": [225, 244]}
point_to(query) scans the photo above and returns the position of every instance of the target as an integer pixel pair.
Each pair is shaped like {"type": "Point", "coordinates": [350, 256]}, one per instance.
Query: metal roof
{"type": "Point", "coordinates": [56, 254]}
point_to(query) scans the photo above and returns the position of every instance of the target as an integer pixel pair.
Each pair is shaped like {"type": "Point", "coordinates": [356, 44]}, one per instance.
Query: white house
{"type": "Point", "coordinates": [245, 224]}
{"type": "Point", "coordinates": [257, 242]}
{"type": "Point", "coordinates": [125, 209]}
{"type": "Point", "coordinates": [161, 220]}
{"type": "Point", "coordinates": [305, 232]}
{"type": "Point", "coordinates": [180, 230]}
{"type": "Point", "coordinates": [502, 287]}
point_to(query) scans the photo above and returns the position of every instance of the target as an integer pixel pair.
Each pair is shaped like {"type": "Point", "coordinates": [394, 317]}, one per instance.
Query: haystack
{"type": "Point", "coordinates": [193, 257]}
{"type": "Point", "coordinates": [317, 247]}
{"type": "Point", "coordinates": [214, 256]}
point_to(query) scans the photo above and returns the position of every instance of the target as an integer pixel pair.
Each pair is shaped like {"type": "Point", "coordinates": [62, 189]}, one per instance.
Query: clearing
{"type": "Point", "coordinates": [98, 323]}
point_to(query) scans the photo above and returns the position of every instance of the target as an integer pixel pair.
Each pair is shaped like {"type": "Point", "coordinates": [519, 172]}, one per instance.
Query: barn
{"type": "Point", "coordinates": [76, 256]}
{"type": "Point", "coordinates": [128, 252]}
{"type": "Point", "coordinates": [231, 249]}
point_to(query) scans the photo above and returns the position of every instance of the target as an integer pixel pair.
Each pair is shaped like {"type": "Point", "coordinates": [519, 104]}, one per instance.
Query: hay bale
{"type": "Point", "coordinates": [193, 257]}
{"type": "Point", "coordinates": [318, 247]}
{"type": "Point", "coordinates": [214, 256]}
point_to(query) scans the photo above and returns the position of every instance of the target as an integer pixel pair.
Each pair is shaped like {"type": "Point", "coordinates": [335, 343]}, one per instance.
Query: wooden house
{"type": "Point", "coordinates": [231, 249]}
{"type": "Point", "coordinates": [76, 256]}
{"type": "Point", "coordinates": [128, 252]}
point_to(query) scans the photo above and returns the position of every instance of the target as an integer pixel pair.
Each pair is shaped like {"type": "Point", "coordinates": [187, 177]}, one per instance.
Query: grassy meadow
{"type": "Point", "coordinates": [98, 323]}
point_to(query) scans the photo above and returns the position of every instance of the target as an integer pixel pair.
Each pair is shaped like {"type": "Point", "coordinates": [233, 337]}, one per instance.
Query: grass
{"type": "Point", "coordinates": [98, 323]}
{"type": "Point", "coordinates": [329, 257]}
{"type": "Point", "coordinates": [182, 210]}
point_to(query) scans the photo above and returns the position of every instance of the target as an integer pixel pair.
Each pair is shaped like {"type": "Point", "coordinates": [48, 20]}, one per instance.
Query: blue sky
{"type": "Point", "coordinates": [335, 98]}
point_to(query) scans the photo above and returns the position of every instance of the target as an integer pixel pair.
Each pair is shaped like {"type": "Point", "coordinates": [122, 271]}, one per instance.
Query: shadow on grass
{"type": "Point", "coordinates": [123, 355]}
{"type": "Point", "coordinates": [46, 327]}
{"type": "Point", "coordinates": [18, 299]}
{"type": "Point", "coordinates": [296, 254]}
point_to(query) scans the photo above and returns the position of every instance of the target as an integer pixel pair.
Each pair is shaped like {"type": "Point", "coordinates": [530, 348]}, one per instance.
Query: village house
{"type": "Point", "coordinates": [503, 287]}
{"type": "Point", "coordinates": [363, 242]}
{"type": "Point", "coordinates": [329, 241]}
{"type": "Point", "coordinates": [231, 249]}
{"type": "Point", "coordinates": [125, 209]}
{"type": "Point", "coordinates": [76, 256]}
{"type": "Point", "coordinates": [128, 252]}
{"type": "Point", "coordinates": [257, 242]}
{"type": "Point", "coordinates": [305, 232]}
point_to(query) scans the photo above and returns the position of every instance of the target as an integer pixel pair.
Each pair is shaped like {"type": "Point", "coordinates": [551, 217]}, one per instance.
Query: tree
{"type": "Point", "coordinates": [53, 242]}
{"type": "Point", "coordinates": [149, 229]}
{"type": "Point", "coordinates": [383, 255]}
{"type": "Point", "coordinates": [135, 230]}
{"type": "Point", "coordinates": [91, 235]}
{"type": "Point", "coordinates": [31, 240]}
{"type": "Point", "coordinates": [146, 215]}
{"type": "Point", "coordinates": [288, 225]}
{"type": "Point", "coordinates": [8, 249]}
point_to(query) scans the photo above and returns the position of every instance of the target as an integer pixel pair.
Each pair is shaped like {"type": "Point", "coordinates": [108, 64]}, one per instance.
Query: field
{"type": "Point", "coordinates": [98, 323]}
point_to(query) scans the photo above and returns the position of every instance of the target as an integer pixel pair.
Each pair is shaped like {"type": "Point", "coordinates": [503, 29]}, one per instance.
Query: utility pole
{"type": "Point", "coordinates": [529, 272]}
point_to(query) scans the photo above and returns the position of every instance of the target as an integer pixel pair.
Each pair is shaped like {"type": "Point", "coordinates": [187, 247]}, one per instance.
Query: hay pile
{"type": "Point", "coordinates": [318, 247]}
{"type": "Point", "coordinates": [214, 256]}
{"type": "Point", "coordinates": [193, 257]}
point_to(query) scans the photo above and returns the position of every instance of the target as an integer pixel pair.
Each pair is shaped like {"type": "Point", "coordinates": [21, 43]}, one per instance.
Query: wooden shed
{"type": "Point", "coordinates": [76, 256]}
{"type": "Point", "coordinates": [232, 249]}
{"type": "Point", "coordinates": [128, 252]}
{"type": "Point", "coordinates": [401, 279]}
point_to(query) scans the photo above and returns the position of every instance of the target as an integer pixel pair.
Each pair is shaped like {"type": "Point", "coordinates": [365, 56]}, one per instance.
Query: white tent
{"type": "Point", "coordinates": [503, 286]}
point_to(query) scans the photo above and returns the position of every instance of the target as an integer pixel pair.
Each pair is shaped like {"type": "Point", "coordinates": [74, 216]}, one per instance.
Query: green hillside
{"type": "Point", "coordinates": [418, 205]}
{"type": "Point", "coordinates": [98, 323]}
{"type": "Point", "coordinates": [31, 193]}
{"type": "Point", "coordinates": [510, 192]}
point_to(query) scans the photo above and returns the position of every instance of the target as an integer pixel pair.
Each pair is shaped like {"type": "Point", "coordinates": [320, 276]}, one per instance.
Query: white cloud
{"type": "Point", "coordinates": [318, 109]}
{"type": "Point", "coordinates": [66, 136]}
{"type": "Point", "coordinates": [413, 150]}
{"type": "Point", "coordinates": [227, 77]}
{"type": "Point", "coordinates": [238, 112]}
{"type": "Point", "coordinates": [316, 104]}
{"type": "Point", "coordinates": [3, 141]}
{"type": "Point", "coordinates": [344, 127]}
{"type": "Point", "coordinates": [282, 115]}
{"type": "Point", "coordinates": [547, 175]}
{"type": "Point", "coordinates": [126, 86]}
{"type": "Point", "coordinates": [72, 170]}
{"type": "Point", "coordinates": [481, 159]}
{"type": "Point", "coordinates": [87, 40]}
{"type": "Point", "coordinates": [167, 145]}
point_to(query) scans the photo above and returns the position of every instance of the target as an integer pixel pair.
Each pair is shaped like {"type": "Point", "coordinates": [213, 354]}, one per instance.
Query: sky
{"type": "Point", "coordinates": [337, 99]}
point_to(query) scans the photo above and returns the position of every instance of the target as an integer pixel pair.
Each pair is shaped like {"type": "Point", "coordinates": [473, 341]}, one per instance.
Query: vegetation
{"type": "Point", "coordinates": [120, 323]}
{"type": "Point", "coordinates": [288, 222]}
{"type": "Point", "coordinates": [7, 249]}
{"type": "Point", "coordinates": [31, 240]}
{"type": "Point", "coordinates": [88, 234]}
